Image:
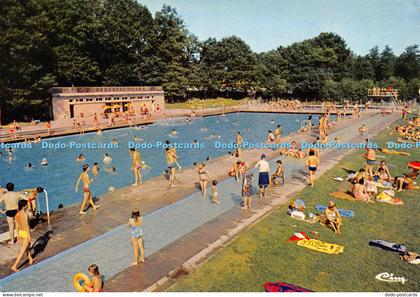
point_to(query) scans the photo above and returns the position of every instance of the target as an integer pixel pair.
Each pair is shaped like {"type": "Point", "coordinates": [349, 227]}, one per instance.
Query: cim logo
{"type": "Point", "coordinates": [390, 278]}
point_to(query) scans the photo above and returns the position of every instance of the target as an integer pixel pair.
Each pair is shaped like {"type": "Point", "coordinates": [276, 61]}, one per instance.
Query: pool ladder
{"type": "Point", "coordinates": [48, 208]}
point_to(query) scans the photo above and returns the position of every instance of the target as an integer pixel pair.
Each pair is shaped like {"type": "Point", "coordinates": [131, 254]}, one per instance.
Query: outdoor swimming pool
{"type": "Point", "coordinates": [60, 176]}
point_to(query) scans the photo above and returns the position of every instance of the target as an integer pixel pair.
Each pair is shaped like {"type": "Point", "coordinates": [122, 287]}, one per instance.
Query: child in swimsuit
{"type": "Point", "coordinates": [96, 282]}
{"type": "Point", "coordinates": [214, 195]}
{"type": "Point", "coordinates": [136, 231]}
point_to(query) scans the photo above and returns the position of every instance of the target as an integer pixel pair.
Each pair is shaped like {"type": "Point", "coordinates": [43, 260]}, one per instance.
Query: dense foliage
{"type": "Point", "coordinates": [45, 43]}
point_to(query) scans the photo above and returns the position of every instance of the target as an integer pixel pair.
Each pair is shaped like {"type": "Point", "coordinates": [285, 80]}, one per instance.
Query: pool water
{"type": "Point", "coordinates": [61, 174]}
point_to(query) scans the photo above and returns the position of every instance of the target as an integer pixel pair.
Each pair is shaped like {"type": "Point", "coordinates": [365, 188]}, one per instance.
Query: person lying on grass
{"type": "Point", "coordinates": [332, 218]}
{"type": "Point", "coordinates": [406, 181]}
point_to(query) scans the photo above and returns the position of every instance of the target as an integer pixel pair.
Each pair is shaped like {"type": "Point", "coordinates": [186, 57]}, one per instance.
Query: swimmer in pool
{"type": "Point", "coordinates": [114, 141]}
{"type": "Point", "coordinates": [137, 138]}
{"type": "Point", "coordinates": [29, 166]}
{"type": "Point", "coordinates": [173, 132]}
{"type": "Point", "coordinates": [80, 158]}
{"type": "Point", "coordinates": [95, 169]}
{"type": "Point", "coordinates": [270, 136]}
{"type": "Point", "coordinates": [84, 177]}
{"type": "Point", "coordinates": [110, 170]}
{"type": "Point", "coordinates": [212, 136]}
{"type": "Point", "coordinates": [136, 166]}
{"type": "Point", "coordinates": [145, 166]}
{"type": "Point", "coordinates": [10, 154]}
{"type": "Point", "coordinates": [107, 159]}
{"type": "Point", "coordinates": [44, 162]}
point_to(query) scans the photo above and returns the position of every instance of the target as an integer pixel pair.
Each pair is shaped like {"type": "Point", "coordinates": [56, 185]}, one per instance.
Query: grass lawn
{"type": "Point", "coordinates": [196, 103]}
{"type": "Point", "coordinates": [261, 254]}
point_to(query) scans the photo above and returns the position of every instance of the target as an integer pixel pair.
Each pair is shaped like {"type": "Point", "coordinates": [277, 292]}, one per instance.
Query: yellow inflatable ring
{"type": "Point", "coordinates": [76, 281]}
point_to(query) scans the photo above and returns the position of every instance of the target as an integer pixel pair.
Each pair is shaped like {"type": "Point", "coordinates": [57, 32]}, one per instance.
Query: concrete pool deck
{"type": "Point", "coordinates": [65, 127]}
{"type": "Point", "coordinates": [108, 236]}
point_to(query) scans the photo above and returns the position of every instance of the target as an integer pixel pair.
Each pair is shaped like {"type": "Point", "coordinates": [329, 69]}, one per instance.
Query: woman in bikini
{"type": "Point", "coordinates": [136, 166]}
{"type": "Point", "coordinates": [135, 223]}
{"type": "Point", "coordinates": [22, 221]}
{"type": "Point", "coordinates": [203, 175]}
{"type": "Point", "coordinates": [333, 217]}
{"type": "Point", "coordinates": [87, 196]}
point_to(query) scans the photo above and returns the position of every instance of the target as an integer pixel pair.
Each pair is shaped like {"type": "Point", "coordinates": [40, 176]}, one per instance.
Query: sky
{"type": "Point", "coordinates": [267, 24]}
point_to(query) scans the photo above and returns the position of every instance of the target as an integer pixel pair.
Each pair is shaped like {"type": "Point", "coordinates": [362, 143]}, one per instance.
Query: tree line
{"type": "Point", "coordinates": [45, 43]}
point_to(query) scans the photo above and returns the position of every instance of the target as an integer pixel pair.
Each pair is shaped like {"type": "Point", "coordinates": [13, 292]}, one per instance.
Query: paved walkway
{"type": "Point", "coordinates": [65, 126]}
{"type": "Point", "coordinates": [112, 251]}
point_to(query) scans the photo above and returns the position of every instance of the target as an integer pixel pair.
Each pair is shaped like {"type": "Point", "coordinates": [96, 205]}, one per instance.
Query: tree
{"type": "Point", "coordinates": [407, 65]}
{"type": "Point", "coordinates": [125, 31]}
{"type": "Point", "coordinates": [363, 68]}
{"type": "Point", "coordinates": [26, 60]}
{"type": "Point", "coordinates": [271, 73]}
{"type": "Point", "coordinates": [374, 59]}
{"type": "Point", "coordinates": [386, 63]}
{"type": "Point", "coordinates": [170, 41]}
{"type": "Point", "coordinates": [230, 65]}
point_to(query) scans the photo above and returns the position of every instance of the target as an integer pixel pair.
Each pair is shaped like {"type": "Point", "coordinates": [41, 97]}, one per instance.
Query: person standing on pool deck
{"type": "Point", "coordinates": [87, 196]}
{"type": "Point", "coordinates": [11, 200]}
{"type": "Point", "coordinates": [22, 222]}
{"type": "Point", "coordinates": [313, 163]}
{"type": "Point", "coordinates": [136, 230]}
{"type": "Point", "coordinates": [246, 190]}
{"type": "Point", "coordinates": [263, 175]}
{"type": "Point", "coordinates": [171, 160]}
{"type": "Point", "coordinates": [239, 140]}
{"type": "Point", "coordinates": [136, 166]}
{"type": "Point", "coordinates": [203, 176]}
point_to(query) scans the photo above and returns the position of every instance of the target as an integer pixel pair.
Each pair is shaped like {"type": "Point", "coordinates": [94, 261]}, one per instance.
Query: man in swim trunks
{"type": "Point", "coordinates": [10, 200]}
{"type": "Point", "coordinates": [370, 159]}
{"type": "Point", "coordinates": [136, 166]}
{"type": "Point", "coordinates": [312, 163]}
{"type": "Point", "coordinates": [87, 196]}
{"type": "Point", "coordinates": [171, 158]}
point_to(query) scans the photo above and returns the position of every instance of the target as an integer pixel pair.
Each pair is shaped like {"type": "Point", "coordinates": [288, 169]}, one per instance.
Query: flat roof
{"type": "Point", "coordinates": [104, 90]}
{"type": "Point", "coordinates": [69, 95]}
